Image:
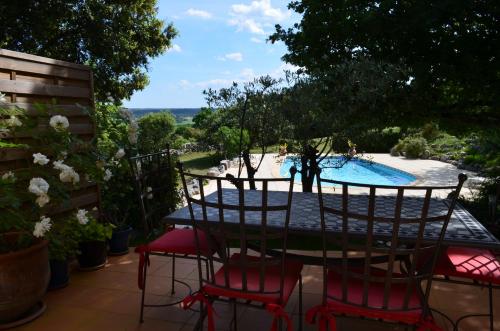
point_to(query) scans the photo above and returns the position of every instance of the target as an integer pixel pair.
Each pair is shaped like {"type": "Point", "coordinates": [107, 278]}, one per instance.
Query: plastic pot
{"type": "Point", "coordinates": [118, 244]}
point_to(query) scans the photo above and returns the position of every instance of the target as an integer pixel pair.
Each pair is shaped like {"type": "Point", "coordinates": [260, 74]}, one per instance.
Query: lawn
{"type": "Point", "coordinates": [199, 162]}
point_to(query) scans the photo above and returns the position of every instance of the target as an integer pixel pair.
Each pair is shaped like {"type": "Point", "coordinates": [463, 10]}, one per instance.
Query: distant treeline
{"type": "Point", "coordinates": [181, 114]}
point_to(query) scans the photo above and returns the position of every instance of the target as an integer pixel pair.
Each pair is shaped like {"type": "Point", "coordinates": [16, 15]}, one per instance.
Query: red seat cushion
{"type": "Point", "coordinates": [272, 282]}
{"type": "Point", "coordinates": [472, 263]}
{"type": "Point", "coordinates": [178, 241]}
{"type": "Point", "coordinates": [375, 298]}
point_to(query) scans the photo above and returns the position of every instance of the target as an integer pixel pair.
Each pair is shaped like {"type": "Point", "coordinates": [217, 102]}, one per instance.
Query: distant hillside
{"type": "Point", "coordinates": [182, 115]}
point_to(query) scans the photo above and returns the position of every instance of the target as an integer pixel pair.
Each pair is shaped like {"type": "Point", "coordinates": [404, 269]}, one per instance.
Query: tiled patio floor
{"type": "Point", "coordinates": [109, 299]}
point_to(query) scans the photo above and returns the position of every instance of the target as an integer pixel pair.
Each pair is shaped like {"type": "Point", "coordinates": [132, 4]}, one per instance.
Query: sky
{"type": "Point", "coordinates": [218, 42]}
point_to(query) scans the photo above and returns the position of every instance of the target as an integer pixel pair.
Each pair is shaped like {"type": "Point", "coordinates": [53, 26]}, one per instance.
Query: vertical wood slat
{"type": "Point", "coordinates": [394, 245]}
{"type": "Point", "coordinates": [369, 244]}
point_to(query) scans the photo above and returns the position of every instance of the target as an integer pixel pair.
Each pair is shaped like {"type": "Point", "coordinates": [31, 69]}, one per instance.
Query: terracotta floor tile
{"type": "Point", "coordinates": [131, 265]}
{"type": "Point", "coordinates": [182, 270]}
{"type": "Point", "coordinates": [109, 299]}
{"type": "Point", "coordinates": [172, 314]}
{"type": "Point", "coordinates": [62, 318]}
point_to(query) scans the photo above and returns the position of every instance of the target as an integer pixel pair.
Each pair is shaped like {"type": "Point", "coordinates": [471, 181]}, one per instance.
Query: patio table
{"type": "Point", "coordinates": [463, 229]}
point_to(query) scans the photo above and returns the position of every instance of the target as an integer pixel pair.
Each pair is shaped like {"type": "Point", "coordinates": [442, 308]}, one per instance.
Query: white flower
{"type": "Point", "coordinates": [3, 98]}
{"type": "Point", "coordinates": [9, 175]}
{"type": "Point", "coordinates": [59, 165]}
{"type": "Point", "coordinates": [82, 217]}
{"type": "Point", "coordinates": [69, 176]}
{"type": "Point", "coordinates": [63, 155]}
{"type": "Point", "coordinates": [59, 122]}
{"type": "Point", "coordinates": [42, 227]}
{"type": "Point", "coordinates": [120, 153]}
{"type": "Point", "coordinates": [149, 190]}
{"type": "Point", "coordinates": [14, 121]}
{"type": "Point", "coordinates": [42, 200]}
{"type": "Point", "coordinates": [107, 174]}
{"type": "Point", "coordinates": [38, 186]}
{"type": "Point", "coordinates": [40, 159]}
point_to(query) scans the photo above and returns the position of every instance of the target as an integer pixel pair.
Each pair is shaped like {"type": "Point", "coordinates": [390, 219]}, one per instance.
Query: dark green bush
{"type": "Point", "coordinates": [155, 131]}
{"type": "Point", "coordinates": [413, 146]}
{"type": "Point", "coordinates": [430, 131]}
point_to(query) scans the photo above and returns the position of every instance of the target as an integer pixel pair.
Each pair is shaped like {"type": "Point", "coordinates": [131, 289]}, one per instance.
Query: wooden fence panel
{"type": "Point", "coordinates": [66, 87]}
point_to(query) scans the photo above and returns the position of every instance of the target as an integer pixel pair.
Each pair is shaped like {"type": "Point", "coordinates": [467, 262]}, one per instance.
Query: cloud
{"type": "Point", "coordinates": [237, 56]}
{"type": "Point", "coordinates": [184, 83]}
{"type": "Point", "coordinates": [247, 24]}
{"type": "Point", "coordinates": [256, 40]}
{"type": "Point", "coordinates": [256, 16]}
{"type": "Point", "coordinates": [175, 49]}
{"type": "Point", "coordinates": [234, 56]}
{"type": "Point", "coordinates": [261, 7]}
{"type": "Point", "coordinates": [245, 75]}
{"type": "Point", "coordinates": [199, 13]}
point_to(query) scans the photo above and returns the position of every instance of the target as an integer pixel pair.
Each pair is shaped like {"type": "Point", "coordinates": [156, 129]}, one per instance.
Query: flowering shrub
{"type": "Point", "coordinates": [116, 141]}
{"type": "Point", "coordinates": [92, 230]}
{"type": "Point", "coordinates": [56, 163]}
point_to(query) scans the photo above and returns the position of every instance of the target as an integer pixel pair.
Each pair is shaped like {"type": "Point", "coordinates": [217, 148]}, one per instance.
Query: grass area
{"type": "Point", "coordinates": [199, 162]}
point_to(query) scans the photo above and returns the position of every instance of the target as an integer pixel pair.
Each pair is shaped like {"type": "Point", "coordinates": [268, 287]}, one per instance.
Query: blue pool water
{"type": "Point", "coordinates": [354, 171]}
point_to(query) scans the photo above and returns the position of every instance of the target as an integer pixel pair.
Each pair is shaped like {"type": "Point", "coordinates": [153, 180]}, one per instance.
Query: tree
{"type": "Point", "coordinates": [155, 131]}
{"type": "Point", "coordinates": [252, 108]}
{"type": "Point", "coordinates": [115, 38]}
{"type": "Point", "coordinates": [337, 104]}
{"type": "Point", "coordinates": [229, 140]}
{"type": "Point", "coordinates": [450, 48]}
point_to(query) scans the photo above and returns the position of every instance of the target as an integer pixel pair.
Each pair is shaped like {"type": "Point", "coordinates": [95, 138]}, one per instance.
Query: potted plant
{"type": "Point", "coordinates": [93, 236]}
{"type": "Point", "coordinates": [118, 244]}
{"type": "Point", "coordinates": [63, 247]}
{"type": "Point", "coordinates": [24, 257]}
{"type": "Point", "coordinates": [32, 197]}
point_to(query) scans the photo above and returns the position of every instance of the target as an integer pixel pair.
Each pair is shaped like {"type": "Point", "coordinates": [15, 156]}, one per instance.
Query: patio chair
{"type": "Point", "coordinates": [472, 267]}
{"type": "Point", "coordinates": [357, 288]}
{"type": "Point", "coordinates": [246, 276]}
{"type": "Point", "coordinates": [152, 174]}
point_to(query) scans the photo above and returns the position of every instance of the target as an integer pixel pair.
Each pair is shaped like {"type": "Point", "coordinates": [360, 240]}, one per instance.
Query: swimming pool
{"type": "Point", "coordinates": [354, 171]}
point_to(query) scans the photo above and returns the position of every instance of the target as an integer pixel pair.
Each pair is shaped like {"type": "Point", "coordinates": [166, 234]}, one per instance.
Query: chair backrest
{"type": "Point", "coordinates": [237, 219]}
{"type": "Point", "coordinates": [396, 210]}
{"type": "Point", "coordinates": [155, 189]}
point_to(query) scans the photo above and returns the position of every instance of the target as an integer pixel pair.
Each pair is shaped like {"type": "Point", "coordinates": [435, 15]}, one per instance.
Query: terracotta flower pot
{"type": "Point", "coordinates": [24, 276]}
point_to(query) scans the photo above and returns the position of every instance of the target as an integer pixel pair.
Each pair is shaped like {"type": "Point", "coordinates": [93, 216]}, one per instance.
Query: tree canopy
{"type": "Point", "coordinates": [155, 131]}
{"type": "Point", "coordinates": [451, 48]}
{"type": "Point", "coordinates": [115, 38]}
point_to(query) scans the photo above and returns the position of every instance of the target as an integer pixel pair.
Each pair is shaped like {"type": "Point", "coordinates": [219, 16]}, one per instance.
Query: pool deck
{"type": "Point", "coordinates": [428, 172]}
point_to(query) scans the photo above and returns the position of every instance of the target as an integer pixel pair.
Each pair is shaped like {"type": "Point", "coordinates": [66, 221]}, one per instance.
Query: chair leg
{"type": "Point", "coordinates": [235, 316]}
{"type": "Point", "coordinates": [173, 275]}
{"type": "Point", "coordinates": [490, 294]}
{"type": "Point", "coordinates": [300, 304]}
{"type": "Point", "coordinates": [206, 266]}
{"type": "Point", "coordinates": [144, 273]}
